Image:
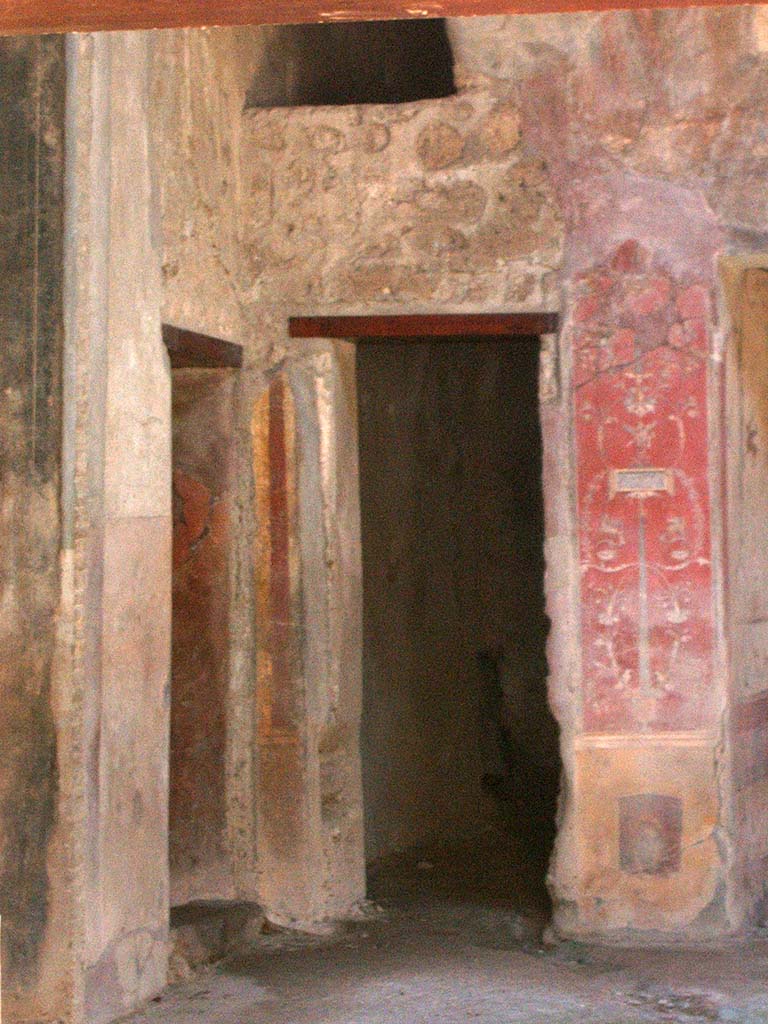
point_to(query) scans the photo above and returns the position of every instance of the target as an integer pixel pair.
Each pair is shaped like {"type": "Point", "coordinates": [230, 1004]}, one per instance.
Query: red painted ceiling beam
{"type": "Point", "coordinates": [25, 17]}
{"type": "Point", "coordinates": [424, 325]}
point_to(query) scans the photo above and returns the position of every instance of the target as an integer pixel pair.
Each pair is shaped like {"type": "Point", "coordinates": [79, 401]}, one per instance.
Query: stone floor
{"type": "Point", "coordinates": [446, 945]}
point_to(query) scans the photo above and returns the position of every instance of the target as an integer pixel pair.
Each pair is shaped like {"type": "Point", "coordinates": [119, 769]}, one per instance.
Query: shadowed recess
{"type": "Point", "coordinates": [363, 62]}
{"type": "Point", "coordinates": [460, 753]}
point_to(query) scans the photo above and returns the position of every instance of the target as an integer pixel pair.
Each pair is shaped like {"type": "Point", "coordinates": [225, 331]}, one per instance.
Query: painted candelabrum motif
{"type": "Point", "coordinates": [640, 394]}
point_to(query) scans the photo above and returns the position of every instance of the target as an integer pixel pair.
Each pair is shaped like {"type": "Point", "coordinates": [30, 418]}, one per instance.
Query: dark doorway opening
{"type": "Point", "coordinates": [460, 753]}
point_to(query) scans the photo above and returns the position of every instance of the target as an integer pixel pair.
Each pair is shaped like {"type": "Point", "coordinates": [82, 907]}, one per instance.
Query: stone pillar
{"type": "Point", "coordinates": [334, 626]}
{"type": "Point", "coordinates": [120, 388]}
{"type": "Point", "coordinates": [639, 674]}
{"type": "Point", "coordinates": [647, 799]}
{"type": "Point", "coordinates": [307, 559]}
{"type": "Point", "coordinates": [746, 432]}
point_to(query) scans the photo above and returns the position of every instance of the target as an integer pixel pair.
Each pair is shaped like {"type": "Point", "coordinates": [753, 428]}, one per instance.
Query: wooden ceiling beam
{"type": "Point", "coordinates": [28, 17]}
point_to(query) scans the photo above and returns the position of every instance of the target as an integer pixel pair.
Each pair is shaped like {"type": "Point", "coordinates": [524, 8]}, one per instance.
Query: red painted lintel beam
{"type": "Point", "coordinates": [423, 325]}
{"type": "Point", "coordinates": [29, 17]}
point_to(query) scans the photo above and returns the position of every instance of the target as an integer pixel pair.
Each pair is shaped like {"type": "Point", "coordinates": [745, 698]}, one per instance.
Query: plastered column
{"type": "Point", "coordinates": [120, 490]}
{"type": "Point", "coordinates": [648, 852]}
{"type": "Point", "coordinates": [334, 637]}
{"type": "Point", "coordinates": [745, 291]}
{"type": "Point", "coordinates": [562, 598]}
{"type": "Point", "coordinates": [307, 565]}
{"type": "Point", "coordinates": [640, 682]}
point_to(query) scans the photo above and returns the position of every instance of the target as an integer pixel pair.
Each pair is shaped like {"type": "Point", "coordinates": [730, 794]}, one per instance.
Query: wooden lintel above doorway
{"type": "Point", "coordinates": [189, 350]}
{"type": "Point", "coordinates": [29, 17]}
{"type": "Point", "coordinates": [426, 325]}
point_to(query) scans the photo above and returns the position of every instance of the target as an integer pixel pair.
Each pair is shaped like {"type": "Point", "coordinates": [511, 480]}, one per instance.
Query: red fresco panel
{"type": "Point", "coordinates": [641, 341]}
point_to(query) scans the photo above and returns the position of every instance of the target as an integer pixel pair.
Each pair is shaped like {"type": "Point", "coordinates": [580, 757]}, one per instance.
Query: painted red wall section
{"type": "Point", "coordinates": [283, 710]}
{"type": "Point", "coordinates": [284, 841]}
{"type": "Point", "coordinates": [280, 697]}
{"type": "Point", "coordinates": [654, 182]}
{"type": "Point", "coordinates": [202, 508]}
{"type": "Point", "coordinates": [640, 393]}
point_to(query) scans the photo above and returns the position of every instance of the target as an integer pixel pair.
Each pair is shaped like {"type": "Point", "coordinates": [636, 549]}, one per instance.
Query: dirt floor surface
{"type": "Point", "coordinates": [437, 962]}
{"type": "Point", "coordinates": [447, 945]}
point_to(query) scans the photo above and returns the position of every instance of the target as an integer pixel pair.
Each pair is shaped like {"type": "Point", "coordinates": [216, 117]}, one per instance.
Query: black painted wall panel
{"type": "Point", "coordinates": [31, 330]}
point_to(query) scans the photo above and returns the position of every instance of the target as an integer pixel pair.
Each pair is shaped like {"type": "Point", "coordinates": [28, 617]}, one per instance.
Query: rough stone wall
{"type": "Point", "coordinates": [453, 565]}
{"type": "Point", "coordinates": [200, 863]}
{"type": "Point", "coordinates": [433, 205]}
{"type": "Point", "coordinates": [646, 131]}
{"type": "Point", "coordinates": [31, 333]}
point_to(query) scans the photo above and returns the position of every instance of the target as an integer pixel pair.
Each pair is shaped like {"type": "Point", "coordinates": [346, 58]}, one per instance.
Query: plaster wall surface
{"type": "Point", "coordinates": [746, 293]}
{"type": "Point", "coordinates": [601, 163]}
{"type": "Point", "coordinates": [432, 205]}
{"type": "Point", "coordinates": [453, 566]}
{"type": "Point", "coordinates": [117, 496]}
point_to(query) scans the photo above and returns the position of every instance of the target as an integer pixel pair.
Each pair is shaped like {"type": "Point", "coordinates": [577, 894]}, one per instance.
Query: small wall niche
{"type": "Point", "coordinates": [199, 853]}
{"type": "Point", "coordinates": [360, 62]}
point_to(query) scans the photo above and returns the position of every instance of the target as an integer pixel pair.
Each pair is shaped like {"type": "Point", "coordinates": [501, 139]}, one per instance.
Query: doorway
{"type": "Point", "coordinates": [459, 750]}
